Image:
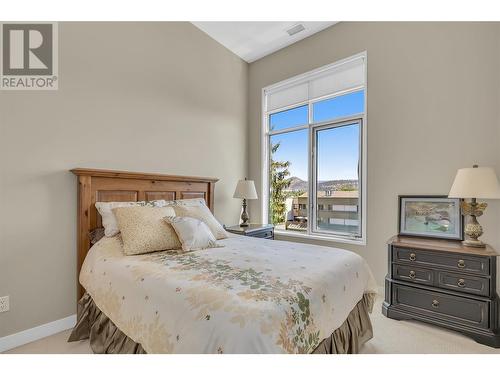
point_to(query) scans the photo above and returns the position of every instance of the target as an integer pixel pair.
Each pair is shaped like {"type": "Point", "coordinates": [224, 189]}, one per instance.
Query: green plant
{"type": "Point", "coordinates": [280, 181]}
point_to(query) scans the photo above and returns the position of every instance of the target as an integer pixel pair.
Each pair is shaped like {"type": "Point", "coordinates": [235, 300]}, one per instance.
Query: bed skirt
{"type": "Point", "coordinates": [106, 338]}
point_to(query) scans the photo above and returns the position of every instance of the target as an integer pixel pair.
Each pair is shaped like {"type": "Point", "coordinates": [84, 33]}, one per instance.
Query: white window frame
{"type": "Point", "coordinates": [313, 214]}
{"type": "Point", "coordinates": [311, 127]}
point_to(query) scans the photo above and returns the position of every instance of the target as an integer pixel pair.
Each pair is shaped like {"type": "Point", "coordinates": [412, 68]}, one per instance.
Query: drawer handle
{"type": "Point", "coordinates": [413, 257]}
{"type": "Point", "coordinates": [461, 283]}
{"type": "Point", "coordinates": [435, 303]}
{"type": "Point", "coordinates": [412, 274]}
{"type": "Point", "coordinates": [461, 263]}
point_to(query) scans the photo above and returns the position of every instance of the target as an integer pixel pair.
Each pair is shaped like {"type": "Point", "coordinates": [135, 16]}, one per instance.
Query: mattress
{"type": "Point", "coordinates": [250, 296]}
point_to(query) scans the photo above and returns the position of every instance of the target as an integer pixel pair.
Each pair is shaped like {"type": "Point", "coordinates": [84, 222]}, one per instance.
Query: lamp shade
{"type": "Point", "coordinates": [477, 182]}
{"type": "Point", "coordinates": [245, 189]}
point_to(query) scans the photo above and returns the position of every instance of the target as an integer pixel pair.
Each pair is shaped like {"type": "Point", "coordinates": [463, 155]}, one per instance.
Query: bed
{"type": "Point", "coordinates": [249, 296]}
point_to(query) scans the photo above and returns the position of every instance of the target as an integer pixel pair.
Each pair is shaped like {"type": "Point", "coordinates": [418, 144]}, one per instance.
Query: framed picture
{"type": "Point", "coordinates": [435, 216]}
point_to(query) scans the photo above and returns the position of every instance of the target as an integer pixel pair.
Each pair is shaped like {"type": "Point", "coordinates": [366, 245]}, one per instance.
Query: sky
{"type": "Point", "coordinates": [338, 152]}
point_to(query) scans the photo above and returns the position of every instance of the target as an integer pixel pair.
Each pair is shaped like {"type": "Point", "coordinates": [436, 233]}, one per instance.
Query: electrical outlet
{"type": "Point", "coordinates": [4, 304]}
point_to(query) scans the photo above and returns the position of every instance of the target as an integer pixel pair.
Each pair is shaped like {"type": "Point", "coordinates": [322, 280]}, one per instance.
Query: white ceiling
{"type": "Point", "coordinates": [254, 40]}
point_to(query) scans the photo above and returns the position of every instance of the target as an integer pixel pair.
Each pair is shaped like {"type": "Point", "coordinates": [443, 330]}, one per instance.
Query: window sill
{"type": "Point", "coordinates": [352, 241]}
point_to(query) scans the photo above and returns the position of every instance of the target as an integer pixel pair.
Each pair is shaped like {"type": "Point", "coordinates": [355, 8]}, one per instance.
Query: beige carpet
{"type": "Point", "coordinates": [390, 337]}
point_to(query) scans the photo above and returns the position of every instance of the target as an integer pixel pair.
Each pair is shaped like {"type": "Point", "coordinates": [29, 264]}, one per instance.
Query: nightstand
{"type": "Point", "coordinates": [445, 283]}
{"type": "Point", "coordinates": [254, 230]}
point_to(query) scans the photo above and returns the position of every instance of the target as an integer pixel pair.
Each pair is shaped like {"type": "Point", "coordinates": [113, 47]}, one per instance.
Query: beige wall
{"type": "Point", "coordinates": [433, 94]}
{"type": "Point", "coordinates": [156, 97]}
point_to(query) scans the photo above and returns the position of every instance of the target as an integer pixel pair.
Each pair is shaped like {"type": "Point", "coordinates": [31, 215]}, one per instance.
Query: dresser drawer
{"type": "Point", "coordinates": [267, 234]}
{"type": "Point", "coordinates": [413, 274]}
{"type": "Point", "coordinates": [451, 261]}
{"type": "Point", "coordinates": [437, 305]}
{"type": "Point", "coordinates": [464, 283]}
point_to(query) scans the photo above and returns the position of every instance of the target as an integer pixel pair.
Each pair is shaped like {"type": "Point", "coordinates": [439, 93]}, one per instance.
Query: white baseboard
{"type": "Point", "coordinates": [36, 333]}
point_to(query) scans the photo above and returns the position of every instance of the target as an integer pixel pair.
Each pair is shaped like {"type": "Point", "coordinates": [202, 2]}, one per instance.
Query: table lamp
{"type": "Point", "coordinates": [473, 183]}
{"type": "Point", "coordinates": [245, 189]}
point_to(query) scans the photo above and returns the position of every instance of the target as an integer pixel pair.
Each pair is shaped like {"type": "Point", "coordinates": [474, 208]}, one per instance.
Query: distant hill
{"type": "Point", "coordinates": [299, 184]}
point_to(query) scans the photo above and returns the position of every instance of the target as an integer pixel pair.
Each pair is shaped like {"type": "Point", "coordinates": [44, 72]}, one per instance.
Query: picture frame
{"type": "Point", "coordinates": [430, 216]}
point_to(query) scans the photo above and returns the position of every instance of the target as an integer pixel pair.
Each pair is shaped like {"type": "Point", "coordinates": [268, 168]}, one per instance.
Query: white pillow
{"type": "Point", "coordinates": [202, 212]}
{"type": "Point", "coordinates": [109, 223]}
{"type": "Point", "coordinates": [193, 233]}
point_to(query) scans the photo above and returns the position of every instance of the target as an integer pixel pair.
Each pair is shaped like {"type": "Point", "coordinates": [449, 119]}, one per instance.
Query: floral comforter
{"type": "Point", "coordinates": [250, 296]}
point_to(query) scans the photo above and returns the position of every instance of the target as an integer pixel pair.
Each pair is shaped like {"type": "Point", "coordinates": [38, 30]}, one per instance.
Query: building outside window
{"type": "Point", "coordinates": [314, 155]}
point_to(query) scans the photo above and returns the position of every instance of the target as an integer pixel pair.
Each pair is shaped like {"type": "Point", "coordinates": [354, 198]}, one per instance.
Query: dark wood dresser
{"type": "Point", "coordinates": [444, 283]}
{"type": "Point", "coordinates": [254, 230]}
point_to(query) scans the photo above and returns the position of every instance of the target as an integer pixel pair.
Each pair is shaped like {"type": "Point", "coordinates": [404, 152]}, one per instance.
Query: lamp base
{"type": "Point", "coordinates": [244, 215]}
{"type": "Point", "coordinates": [473, 230]}
{"type": "Point", "coordinates": [473, 243]}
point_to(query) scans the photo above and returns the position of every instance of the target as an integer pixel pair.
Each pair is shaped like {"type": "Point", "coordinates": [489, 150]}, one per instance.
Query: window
{"type": "Point", "coordinates": [288, 119]}
{"type": "Point", "coordinates": [339, 106]}
{"type": "Point", "coordinates": [342, 207]}
{"type": "Point", "coordinates": [336, 162]}
{"type": "Point", "coordinates": [314, 152]}
{"type": "Point", "coordinates": [288, 157]}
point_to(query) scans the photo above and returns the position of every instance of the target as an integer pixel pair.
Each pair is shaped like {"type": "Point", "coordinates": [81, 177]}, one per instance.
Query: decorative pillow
{"type": "Point", "coordinates": [95, 235]}
{"type": "Point", "coordinates": [187, 202]}
{"type": "Point", "coordinates": [202, 213]}
{"type": "Point", "coordinates": [143, 229]}
{"type": "Point", "coordinates": [105, 209]}
{"type": "Point", "coordinates": [193, 233]}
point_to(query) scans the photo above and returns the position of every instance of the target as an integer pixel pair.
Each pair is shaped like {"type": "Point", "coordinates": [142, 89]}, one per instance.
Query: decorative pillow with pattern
{"type": "Point", "coordinates": [187, 202]}
{"type": "Point", "coordinates": [96, 235]}
{"type": "Point", "coordinates": [143, 229]}
{"type": "Point", "coordinates": [105, 209]}
{"type": "Point", "coordinates": [202, 213]}
{"type": "Point", "coordinates": [193, 233]}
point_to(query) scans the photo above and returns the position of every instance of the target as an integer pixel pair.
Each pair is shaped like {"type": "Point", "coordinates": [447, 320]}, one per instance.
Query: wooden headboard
{"type": "Point", "coordinates": [95, 185]}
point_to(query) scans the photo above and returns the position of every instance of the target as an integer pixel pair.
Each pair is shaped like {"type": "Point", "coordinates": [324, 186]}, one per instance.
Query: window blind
{"type": "Point", "coordinates": [335, 78]}
{"type": "Point", "coordinates": [288, 96]}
